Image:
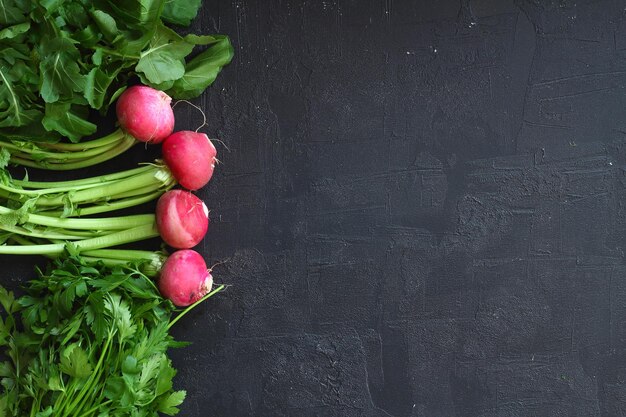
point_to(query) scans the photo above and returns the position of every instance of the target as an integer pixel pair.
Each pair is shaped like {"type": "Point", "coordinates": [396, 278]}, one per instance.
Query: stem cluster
{"type": "Point", "coordinates": [67, 156]}
{"type": "Point", "coordinates": [40, 217]}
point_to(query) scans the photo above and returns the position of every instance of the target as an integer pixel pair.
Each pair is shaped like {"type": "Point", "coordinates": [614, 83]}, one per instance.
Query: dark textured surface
{"type": "Point", "coordinates": [422, 209]}
{"type": "Point", "coordinates": [422, 212]}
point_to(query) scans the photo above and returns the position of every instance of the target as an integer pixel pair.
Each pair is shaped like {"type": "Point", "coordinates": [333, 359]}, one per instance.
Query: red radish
{"type": "Point", "coordinates": [184, 278]}
{"type": "Point", "coordinates": [145, 113]}
{"type": "Point", "coordinates": [182, 219]}
{"type": "Point", "coordinates": [191, 158]}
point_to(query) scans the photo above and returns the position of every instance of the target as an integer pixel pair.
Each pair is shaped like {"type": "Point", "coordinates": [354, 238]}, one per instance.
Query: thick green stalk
{"type": "Point", "coordinates": [150, 175]}
{"type": "Point", "coordinates": [144, 181]}
{"type": "Point", "coordinates": [72, 184]}
{"type": "Point", "coordinates": [36, 153]}
{"type": "Point", "coordinates": [127, 254]}
{"type": "Point", "coordinates": [109, 139]}
{"type": "Point", "coordinates": [20, 194]}
{"type": "Point", "coordinates": [107, 223]}
{"type": "Point", "coordinates": [147, 189]}
{"type": "Point", "coordinates": [135, 234]}
{"type": "Point", "coordinates": [50, 234]}
{"type": "Point", "coordinates": [105, 206]}
{"type": "Point", "coordinates": [153, 261]}
{"type": "Point", "coordinates": [116, 150]}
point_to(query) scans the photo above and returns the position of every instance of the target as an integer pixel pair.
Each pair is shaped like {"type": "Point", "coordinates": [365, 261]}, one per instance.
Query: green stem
{"type": "Point", "coordinates": [143, 190]}
{"type": "Point", "coordinates": [36, 152]}
{"type": "Point", "coordinates": [20, 194]}
{"type": "Point", "coordinates": [72, 184]}
{"type": "Point", "coordinates": [118, 149]}
{"type": "Point", "coordinates": [95, 143]}
{"type": "Point", "coordinates": [95, 408]}
{"type": "Point", "coordinates": [106, 207]}
{"type": "Point", "coordinates": [124, 56]}
{"type": "Point", "coordinates": [34, 409]}
{"type": "Point", "coordinates": [93, 377]}
{"type": "Point", "coordinates": [144, 181]}
{"type": "Point", "coordinates": [191, 307]}
{"type": "Point", "coordinates": [107, 223]}
{"type": "Point", "coordinates": [48, 234]}
{"type": "Point", "coordinates": [113, 239]}
{"type": "Point", "coordinates": [126, 254]}
{"type": "Point", "coordinates": [62, 398]}
{"type": "Point", "coordinates": [151, 265]}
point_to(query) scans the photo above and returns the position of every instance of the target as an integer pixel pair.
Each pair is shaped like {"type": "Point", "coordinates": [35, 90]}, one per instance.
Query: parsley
{"type": "Point", "coordinates": [88, 340]}
{"type": "Point", "coordinates": [61, 58]}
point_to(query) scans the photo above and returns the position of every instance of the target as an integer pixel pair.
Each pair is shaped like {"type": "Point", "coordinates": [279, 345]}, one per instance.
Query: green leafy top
{"type": "Point", "coordinates": [61, 58]}
{"type": "Point", "coordinates": [87, 340]}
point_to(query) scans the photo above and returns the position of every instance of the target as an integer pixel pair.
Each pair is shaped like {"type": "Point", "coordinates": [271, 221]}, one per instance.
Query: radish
{"type": "Point", "coordinates": [182, 219]}
{"type": "Point", "coordinates": [191, 158]}
{"type": "Point", "coordinates": [145, 113]}
{"type": "Point", "coordinates": [184, 278]}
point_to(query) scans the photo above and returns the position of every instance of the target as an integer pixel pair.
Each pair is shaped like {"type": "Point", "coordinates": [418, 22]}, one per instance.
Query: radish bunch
{"type": "Point", "coordinates": [40, 217]}
{"type": "Point", "coordinates": [182, 218]}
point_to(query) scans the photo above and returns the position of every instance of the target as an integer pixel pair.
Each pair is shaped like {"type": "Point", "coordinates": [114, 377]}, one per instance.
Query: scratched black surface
{"type": "Point", "coordinates": [421, 209]}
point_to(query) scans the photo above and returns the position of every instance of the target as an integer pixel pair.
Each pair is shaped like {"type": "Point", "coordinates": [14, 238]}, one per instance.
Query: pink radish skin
{"type": "Point", "coordinates": [191, 158]}
{"type": "Point", "coordinates": [145, 113]}
{"type": "Point", "coordinates": [184, 278]}
{"type": "Point", "coordinates": [182, 219]}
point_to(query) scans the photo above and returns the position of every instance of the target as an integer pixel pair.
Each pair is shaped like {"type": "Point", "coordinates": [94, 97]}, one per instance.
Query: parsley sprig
{"type": "Point", "coordinates": [88, 340]}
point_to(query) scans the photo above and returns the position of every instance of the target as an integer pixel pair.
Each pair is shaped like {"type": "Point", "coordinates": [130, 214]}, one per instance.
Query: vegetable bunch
{"type": "Point", "coordinates": [89, 337]}
{"type": "Point", "coordinates": [62, 59]}
{"type": "Point", "coordinates": [42, 217]}
{"type": "Point", "coordinates": [88, 340]}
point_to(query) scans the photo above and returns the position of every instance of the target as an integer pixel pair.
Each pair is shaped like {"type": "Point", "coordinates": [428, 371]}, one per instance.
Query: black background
{"type": "Point", "coordinates": [422, 211]}
{"type": "Point", "coordinates": [420, 207]}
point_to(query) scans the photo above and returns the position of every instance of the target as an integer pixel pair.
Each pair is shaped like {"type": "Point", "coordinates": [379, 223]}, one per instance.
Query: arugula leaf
{"type": "Point", "coordinates": [12, 12]}
{"type": "Point", "coordinates": [51, 5]}
{"type": "Point", "coordinates": [181, 12]}
{"type": "Point", "coordinates": [106, 23]}
{"type": "Point", "coordinates": [88, 37]}
{"type": "Point", "coordinates": [60, 117]}
{"type": "Point", "coordinates": [96, 86]}
{"type": "Point", "coordinates": [14, 101]}
{"type": "Point", "coordinates": [202, 70]}
{"type": "Point", "coordinates": [164, 59]}
{"type": "Point", "coordinates": [15, 30]}
{"type": "Point", "coordinates": [60, 74]}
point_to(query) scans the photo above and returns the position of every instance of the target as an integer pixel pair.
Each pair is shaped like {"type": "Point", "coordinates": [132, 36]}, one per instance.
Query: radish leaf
{"type": "Point", "coordinates": [180, 12]}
